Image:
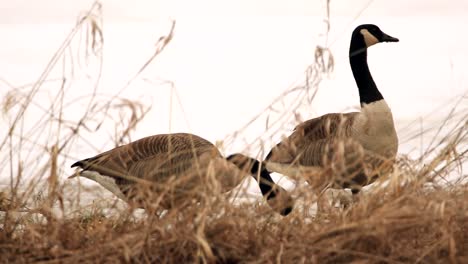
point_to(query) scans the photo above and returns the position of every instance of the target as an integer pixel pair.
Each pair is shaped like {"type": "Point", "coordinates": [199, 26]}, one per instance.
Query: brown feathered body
{"type": "Point", "coordinates": [174, 168]}
{"type": "Point", "coordinates": [345, 149]}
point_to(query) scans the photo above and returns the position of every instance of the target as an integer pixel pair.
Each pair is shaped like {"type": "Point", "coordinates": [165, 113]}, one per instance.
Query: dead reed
{"type": "Point", "coordinates": [419, 214]}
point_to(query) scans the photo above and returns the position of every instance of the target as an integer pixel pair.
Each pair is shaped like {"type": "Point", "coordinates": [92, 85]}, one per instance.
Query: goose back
{"type": "Point", "coordinates": [351, 148]}
{"type": "Point", "coordinates": [151, 158]}
{"type": "Point", "coordinates": [306, 145]}
{"type": "Point", "coordinates": [181, 165]}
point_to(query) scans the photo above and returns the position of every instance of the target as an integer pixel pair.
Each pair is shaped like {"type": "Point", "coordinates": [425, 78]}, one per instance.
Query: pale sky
{"type": "Point", "coordinates": [59, 11]}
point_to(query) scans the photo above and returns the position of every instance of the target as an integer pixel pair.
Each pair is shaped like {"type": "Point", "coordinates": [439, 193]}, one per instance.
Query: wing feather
{"type": "Point", "coordinates": [152, 158]}
{"type": "Point", "coordinates": [314, 135]}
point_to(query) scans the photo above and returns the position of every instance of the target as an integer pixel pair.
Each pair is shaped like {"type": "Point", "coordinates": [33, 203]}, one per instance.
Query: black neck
{"type": "Point", "coordinates": [265, 182]}
{"type": "Point", "coordinates": [368, 91]}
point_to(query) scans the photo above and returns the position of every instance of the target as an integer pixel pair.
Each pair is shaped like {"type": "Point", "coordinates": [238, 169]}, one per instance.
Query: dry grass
{"type": "Point", "coordinates": [417, 215]}
{"type": "Point", "coordinates": [395, 225]}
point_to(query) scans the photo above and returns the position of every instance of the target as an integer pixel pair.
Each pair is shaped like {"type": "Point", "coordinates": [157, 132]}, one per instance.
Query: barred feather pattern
{"type": "Point", "coordinates": [173, 164]}
{"type": "Point", "coordinates": [331, 143]}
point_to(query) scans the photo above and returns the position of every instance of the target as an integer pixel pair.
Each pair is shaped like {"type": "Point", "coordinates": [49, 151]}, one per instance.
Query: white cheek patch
{"type": "Point", "coordinates": [369, 38]}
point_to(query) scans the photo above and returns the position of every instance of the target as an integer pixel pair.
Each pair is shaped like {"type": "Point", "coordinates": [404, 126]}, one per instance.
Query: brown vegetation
{"type": "Point", "coordinates": [413, 216]}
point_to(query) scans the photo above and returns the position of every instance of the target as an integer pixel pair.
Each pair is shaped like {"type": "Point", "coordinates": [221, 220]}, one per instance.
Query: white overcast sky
{"type": "Point", "coordinates": [59, 11]}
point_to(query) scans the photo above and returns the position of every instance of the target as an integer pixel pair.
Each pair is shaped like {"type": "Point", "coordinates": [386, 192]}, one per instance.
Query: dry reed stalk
{"type": "Point", "coordinates": [413, 216]}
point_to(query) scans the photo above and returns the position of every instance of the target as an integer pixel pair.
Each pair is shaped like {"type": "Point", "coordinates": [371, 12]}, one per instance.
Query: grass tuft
{"type": "Point", "coordinates": [416, 215]}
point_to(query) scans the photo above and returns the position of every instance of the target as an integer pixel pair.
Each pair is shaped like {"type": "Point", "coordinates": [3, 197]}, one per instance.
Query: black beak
{"type": "Point", "coordinates": [387, 38]}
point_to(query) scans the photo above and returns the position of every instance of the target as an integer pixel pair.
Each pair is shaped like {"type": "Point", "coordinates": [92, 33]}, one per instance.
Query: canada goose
{"type": "Point", "coordinates": [177, 165]}
{"type": "Point", "coordinates": [353, 148]}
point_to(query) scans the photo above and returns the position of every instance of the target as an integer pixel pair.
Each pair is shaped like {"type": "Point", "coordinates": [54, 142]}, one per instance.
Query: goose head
{"type": "Point", "coordinates": [367, 35]}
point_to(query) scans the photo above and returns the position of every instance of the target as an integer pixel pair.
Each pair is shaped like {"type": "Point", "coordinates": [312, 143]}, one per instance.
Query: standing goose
{"type": "Point", "coordinates": [178, 167]}
{"type": "Point", "coordinates": [349, 150]}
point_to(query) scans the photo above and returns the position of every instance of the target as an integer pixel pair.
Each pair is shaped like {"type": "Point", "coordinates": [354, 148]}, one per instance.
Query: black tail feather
{"type": "Point", "coordinates": [77, 164]}
{"type": "Point", "coordinates": [82, 163]}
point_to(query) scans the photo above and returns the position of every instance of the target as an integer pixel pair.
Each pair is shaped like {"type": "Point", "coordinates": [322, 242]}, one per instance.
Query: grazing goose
{"type": "Point", "coordinates": [177, 167]}
{"type": "Point", "coordinates": [349, 150]}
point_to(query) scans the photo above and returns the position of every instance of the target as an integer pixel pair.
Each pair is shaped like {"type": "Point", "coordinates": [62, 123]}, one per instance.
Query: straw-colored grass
{"type": "Point", "coordinates": [392, 225]}
{"type": "Point", "coordinates": [418, 214]}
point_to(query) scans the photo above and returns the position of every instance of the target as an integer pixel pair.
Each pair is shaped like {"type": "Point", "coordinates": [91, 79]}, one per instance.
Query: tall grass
{"type": "Point", "coordinates": [418, 214]}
